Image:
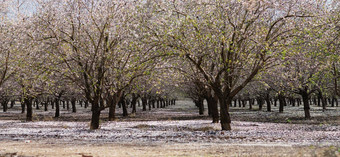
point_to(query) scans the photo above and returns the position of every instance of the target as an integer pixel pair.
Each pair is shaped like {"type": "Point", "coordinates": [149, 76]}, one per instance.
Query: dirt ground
{"type": "Point", "coordinates": [173, 131]}
{"type": "Point", "coordinates": [120, 150]}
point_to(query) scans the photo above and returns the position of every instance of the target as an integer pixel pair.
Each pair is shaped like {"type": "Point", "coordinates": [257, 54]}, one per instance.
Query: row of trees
{"type": "Point", "coordinates": [216, 50]}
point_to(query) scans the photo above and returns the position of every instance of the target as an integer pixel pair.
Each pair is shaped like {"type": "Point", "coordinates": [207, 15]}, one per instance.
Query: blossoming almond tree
{"type": "Point", "coordinates": [240, 37]}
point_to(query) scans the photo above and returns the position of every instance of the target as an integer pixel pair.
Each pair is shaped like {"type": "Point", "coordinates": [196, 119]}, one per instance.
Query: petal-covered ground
{"type": "Point", "coordinates": [170, 129]}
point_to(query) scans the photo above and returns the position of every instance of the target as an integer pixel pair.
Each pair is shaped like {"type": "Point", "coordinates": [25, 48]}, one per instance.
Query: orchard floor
{"type": "Point", "coordinates": [173, 131]}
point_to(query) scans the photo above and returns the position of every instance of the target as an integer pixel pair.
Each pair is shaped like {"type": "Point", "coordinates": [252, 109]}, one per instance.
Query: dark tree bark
{"type": "Point", "coordinates": [113, 100]}
{"type": "Point", "coordinates": [95, 119]}
{"type": "Point", "coordinates": [260, 103]}
{"type": "Point", "coordinates": [52, 103]}
{"type": "Point", "coordinates": [322, 99]}
{"type": "Point", "coordinates": [200, 105]}
{"type": "Point", "coordinates": [45, 106]}
{"type": "Point", "coordinates": [269, 109]}
{"type": "Point", "coordinates": [306, 106]}
{"type": "Point", "coordinates": [224, 112]}
{"type": "Point", "coordinates": [4, 103]}
{"type": "Point", "coordinates": [73, 104]}
{"type": "Point", "coordinates": [150, 103]}
{"type": "Point", "coordinates": [281, 103]}
{"type": "Point", "coordinates": [57, 108]}
{"type": "Point", "coordinates": [29, 112]}
{"type": "Point", "coordinates": [64, 105]}
{"type": "Point", "coordinates": [86, 104]}
{"type": "Point", "coordinates": [134, 102]}
{"type": "Point", "coordinates": [212, 104]}
{"type": "Point", "coordinates": [144, 103]}
{"type": "Point", "coordinates": [23, 106]}
{"type": "Point", "coordinates": [153, 103]}
{"type": "Point", "coordinates": [112, 107]}
{"type": "Point", "coordinates": [37, 103]}
{"type": "Point", "coordinates": [123, 102]}
{"type": "Point", "coordinates": [67, 105]}
{"type": "Point", "coordinates": [12, 103]}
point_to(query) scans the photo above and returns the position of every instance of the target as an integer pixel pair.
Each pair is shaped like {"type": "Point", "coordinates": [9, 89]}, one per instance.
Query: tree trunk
{"type": "Point", "coordinates": [37, 103]}
{"type": "Point", "coordinates": [153, 103]}
{"type": "Point", "coordinates": [12, 103]}
{"type": "Point", "coordinates": [122, 100]}
{"type": "Point", "coordinates": [45, 106]}
{"type": "Point", "coordinates": [323, 100]}
{"type": "Point", "coordinates": [243, 103]}
{"type": "Point", "coordinates": [112, 100]}
{"type": "Point", "coordinates": [29, 112]}
{"type": "Point", "coordinates": [150, 103]}
{"type": "Point", "coordinates": [57, 108]}
{"type": "Point", "coordinates": [52, 104]}
{"type": "Point", "coordinates": [5, 105]}
{"type": "Point", "coordinates": [95, 117]}
{"type": "Point", "coordinates": [134, 102]}
{"type": "Point", "coordinates": [144, 103]}
{"type": "Point", "coordinates": [200, 106]}
{"type": "Point", "coordinates": [260, 103]}
{"type": "Point", "coordinates": [269, 109]}
{"type": "Point", "coordinates": [23, 106]}
{"type": "Point", "coordinates": [224, 112]}
{"type": "Point", "coordinates": [281, 103]}
{"type": "Point", "coordinates": [86, 104]}
{"type": "Point", "coordinates": [73, 103]}
{"type": "Point", "coordinates": [212, 104]}
{"type": "Point", "coordinates": [306, 106]}
{"type": "Point", "coordinates": [67, 105]}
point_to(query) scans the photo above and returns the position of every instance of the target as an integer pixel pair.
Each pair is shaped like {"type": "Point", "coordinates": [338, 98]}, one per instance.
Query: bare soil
{"type": "Point", "coordinates": [173, 131]}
